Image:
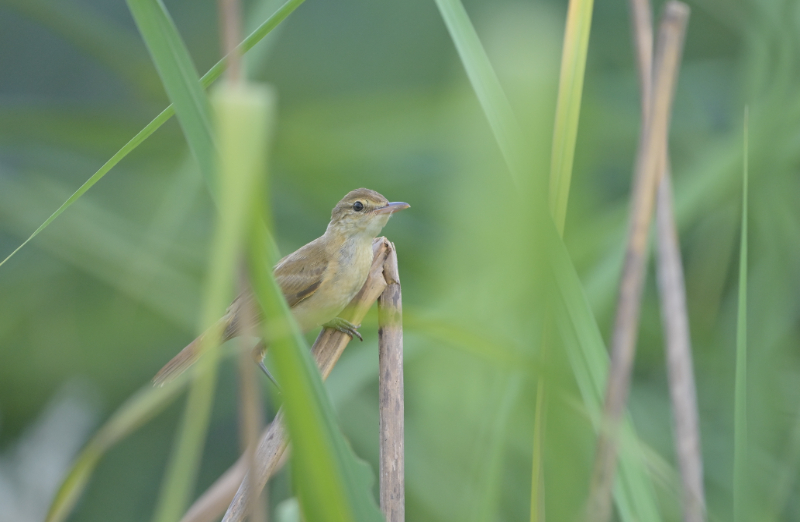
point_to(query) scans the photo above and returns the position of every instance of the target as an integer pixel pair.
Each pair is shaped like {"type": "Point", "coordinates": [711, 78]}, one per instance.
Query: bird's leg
{"type": "Point", "coordinates": [344, 326]}
{"type": "Point", "coordinates": [258, 354]}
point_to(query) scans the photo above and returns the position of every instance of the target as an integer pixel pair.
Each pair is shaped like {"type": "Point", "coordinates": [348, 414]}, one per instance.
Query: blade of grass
{"type": "Point", "coordinates": [568, 106]}
{"type": "Point", "coordinates": [212, 75]}
{"type": "Point", "coordinates": [243, 120]}
{"type": "Point", "coordinates": [565, 132]}
{"type": "Point", "coordinates": [740, 506]}
{"type": "Point", "coordinates": [485, 84]}
{"type": "Point", "coordinates": [580, 333]}
{"type": "Point", "coordinates": [180, 80]}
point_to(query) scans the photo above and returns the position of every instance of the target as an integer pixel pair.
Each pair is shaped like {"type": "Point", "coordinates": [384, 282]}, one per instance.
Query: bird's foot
{"type": "Point", "coordinates": [344, 326]}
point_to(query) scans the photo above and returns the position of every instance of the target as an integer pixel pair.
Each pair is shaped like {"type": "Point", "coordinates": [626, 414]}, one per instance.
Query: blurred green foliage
{"type": "Point", "coordinates": [373, 94]}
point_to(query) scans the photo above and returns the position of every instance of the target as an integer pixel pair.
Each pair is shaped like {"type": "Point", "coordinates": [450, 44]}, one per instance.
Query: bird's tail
{"type": "Point", "coordinates": [191, 353]}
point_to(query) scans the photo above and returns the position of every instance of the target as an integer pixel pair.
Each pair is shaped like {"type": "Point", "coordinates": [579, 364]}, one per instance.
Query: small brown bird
{"type": "Point", "coordinates": [318, 280]}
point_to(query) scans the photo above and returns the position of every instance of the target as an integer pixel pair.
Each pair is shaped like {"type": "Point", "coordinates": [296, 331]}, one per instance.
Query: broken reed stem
{"type": "Point", "coordinates": [391, 401]}
{"type": "Point", "coordinates": [672, 292]}
{"type": "Point", "coordinates": [649, 166]}
{"type": "Point", "coordinates": [680, 370]}
{"type": "Point", "coordinates": [326, 351]}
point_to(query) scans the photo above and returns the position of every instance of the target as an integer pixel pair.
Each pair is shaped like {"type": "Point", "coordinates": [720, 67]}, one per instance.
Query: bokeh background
{"type": "Point", "coordinates": [373, 94]}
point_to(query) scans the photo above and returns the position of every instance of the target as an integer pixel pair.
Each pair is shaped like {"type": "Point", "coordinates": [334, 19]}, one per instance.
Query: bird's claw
{"type": "Point", "coordinates": [344, 326]}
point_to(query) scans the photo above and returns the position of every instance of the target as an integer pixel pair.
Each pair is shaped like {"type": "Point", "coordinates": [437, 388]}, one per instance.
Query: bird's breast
{"type": "Point", "coordinates": [346, 274]}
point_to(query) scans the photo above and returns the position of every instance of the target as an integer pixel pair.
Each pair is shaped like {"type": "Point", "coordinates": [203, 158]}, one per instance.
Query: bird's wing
{"type": "Point", "coordinates": [300, 274]}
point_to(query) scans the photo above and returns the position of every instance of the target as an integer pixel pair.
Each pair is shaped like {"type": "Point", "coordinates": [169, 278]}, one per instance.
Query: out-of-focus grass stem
{"type": "Point", "coordinates": [740, 492]}
{"type": "Point", "coordinates": [649, 166]}
{"type": "Point", "coordinates": [568, 106]}
{"type": "Point", "coordinates": [487, 87]}
{"type": "Point", "coordinates": [242, 116]}
{"type": "Point", "coordinates": [565, 132]}
{"type": "Point", "coordinates": [680, 369]}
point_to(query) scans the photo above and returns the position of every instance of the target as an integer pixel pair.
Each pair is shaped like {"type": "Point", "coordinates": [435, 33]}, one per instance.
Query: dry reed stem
{"type": "Point", "coordinates": [326, 351]}
{"type": "Point", "coordinates": [250, 417]}
{"type": "Point", "coordinates": [649, 166]}
{"type": "Point", "coordinates": [672, 292]}
{"type": "Point", "coordinates": [230, 26]}
{"type": "Point", "coordinates": [679, 356]}
{"type": "Point", "coordinates": [391, 402]}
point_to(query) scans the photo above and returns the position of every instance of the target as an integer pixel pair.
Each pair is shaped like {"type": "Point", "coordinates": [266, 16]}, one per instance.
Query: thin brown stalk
{"type": "Point", "coordinates": [326, 351]}
{"type": "Point", "coordinates": [250, 419]}
{"type": "Point", "coordinates": [390, 386]}
{"type": "Point", "coordinates": [230, 24]}
{"type": "Point", "coordinates": [649, 166]}
{"type": "Point", "coordinates": [641, 22]}
{"type": "Point", "coordinates": [672, 292]}
{"type": "Point", "coordinates": [679, 356]}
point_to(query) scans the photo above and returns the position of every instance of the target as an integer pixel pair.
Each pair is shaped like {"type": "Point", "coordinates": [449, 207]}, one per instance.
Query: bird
{"type": "Point", "coordinates": [317, 280]}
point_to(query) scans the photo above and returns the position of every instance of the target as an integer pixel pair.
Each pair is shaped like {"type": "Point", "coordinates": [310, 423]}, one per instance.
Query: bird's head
{"type": "Point", "coordinates": [363, 212]}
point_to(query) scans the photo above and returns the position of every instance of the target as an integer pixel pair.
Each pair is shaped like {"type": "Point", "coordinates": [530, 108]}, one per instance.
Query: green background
{"type": "Point", "coordinates": [373, 94]}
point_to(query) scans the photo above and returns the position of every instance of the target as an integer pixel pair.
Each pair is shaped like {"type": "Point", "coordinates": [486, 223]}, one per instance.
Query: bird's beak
{"type": "Point", "coordinates": [391, 208]}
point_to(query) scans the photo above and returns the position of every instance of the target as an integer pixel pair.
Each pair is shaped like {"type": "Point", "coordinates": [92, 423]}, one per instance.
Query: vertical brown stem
{"type": "Point", "coordinates": [673, 298]}
{"type": "Point", "coordinates": [250, 419]}
{"type": "Point", "coordinates": [649, 166]}
{"type": "Point", "coordinates": [390, 334]}
{"type": "Point", "coordinates": [679, 356]}
{"type": "Point", "coordinates": [230, 24]}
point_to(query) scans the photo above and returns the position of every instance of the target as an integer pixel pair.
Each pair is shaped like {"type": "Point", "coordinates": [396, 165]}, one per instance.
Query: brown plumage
{"type": "Point", "coordinates": [317, 280]}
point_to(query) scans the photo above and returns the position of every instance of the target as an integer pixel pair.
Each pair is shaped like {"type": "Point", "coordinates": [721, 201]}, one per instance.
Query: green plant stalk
{"type": "Point", "coordinates": [565, 132]}
{"type": "Point", "coordinates": [180, 80]}
{"type": "Point", "coordinates": [568, 106]}
{"type": "Point", "coordinates": [740, 505]}
{"type": "Point", "coordinates": [243, 113]}
{"type": "Point", "coordinates": [210, 77]}
{"type": "Point", "coordinates": [580, 334]}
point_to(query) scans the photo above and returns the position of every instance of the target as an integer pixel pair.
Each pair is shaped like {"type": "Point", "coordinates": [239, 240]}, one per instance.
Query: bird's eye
{"type": "Point", "coordinates": [358, 206]}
